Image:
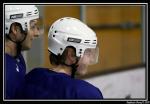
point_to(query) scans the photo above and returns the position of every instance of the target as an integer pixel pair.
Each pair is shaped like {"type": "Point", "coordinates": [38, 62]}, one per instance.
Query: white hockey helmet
{"type": "Point", "coordinates": [70, 31]}
{"type": "Point", "coordinates": [22, 14]}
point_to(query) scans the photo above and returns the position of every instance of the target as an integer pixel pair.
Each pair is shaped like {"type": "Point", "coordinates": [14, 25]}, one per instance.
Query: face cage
{"type": "Point", "coordinates": [90, 56]}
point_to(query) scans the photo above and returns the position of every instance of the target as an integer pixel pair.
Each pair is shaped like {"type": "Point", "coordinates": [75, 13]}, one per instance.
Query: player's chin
{"type": "Point", "coordinates": [81, 72]}
{"type": "Point", "coordinates": [82, 69]}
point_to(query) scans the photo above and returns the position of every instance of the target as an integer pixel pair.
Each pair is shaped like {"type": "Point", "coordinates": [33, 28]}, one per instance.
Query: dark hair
{"type": "Point", "coordinates": [60, 59]}
{"type": "Point", "coordinates": [15, 24]}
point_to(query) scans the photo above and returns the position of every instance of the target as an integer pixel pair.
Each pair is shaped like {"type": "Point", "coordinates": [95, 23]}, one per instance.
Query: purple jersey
{"type": "Point", "coordinates": [15, 69]}
{"type": "Point", "coordinates": [42, 83]}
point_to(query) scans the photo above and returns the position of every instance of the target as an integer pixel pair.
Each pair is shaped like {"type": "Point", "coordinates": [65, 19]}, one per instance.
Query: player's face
{"type": "Point", "coordinates": [31, 34]}
{"type": "Point", "coordinates": [82, 69]}
{"type": "Point", "coordinates": [90, 57]}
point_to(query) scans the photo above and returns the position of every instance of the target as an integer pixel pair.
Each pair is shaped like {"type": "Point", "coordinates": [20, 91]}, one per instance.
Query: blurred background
{"type": "Point", "coordinates": [121, 29]}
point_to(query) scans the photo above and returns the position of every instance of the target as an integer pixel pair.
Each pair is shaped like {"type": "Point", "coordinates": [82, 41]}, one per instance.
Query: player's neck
{"type": "Point", "coordinates": [10, 48]}
{"type": "Point", "coordinates": [62, 69]}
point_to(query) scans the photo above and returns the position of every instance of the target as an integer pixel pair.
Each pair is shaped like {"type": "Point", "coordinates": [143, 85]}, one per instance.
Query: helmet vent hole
{"type": "Point", "coordinates": [53, 35]}
{"type": "Point", "coordinates": [55, 31]}
{"type": "Point", "coordinates": [68, 18]}
{"type": "Point", "coordinates": [61, 49]}
{"type": "Point", "coordinates": [61, 19]}
{"type": "Point", "coordinates": [36, 11]}
{"type": "Point", "coordinates": [86, 42]}
{"type": "Point", "coordinates": [29, 13]}
{"type": "Point", "coordinates": [94, 42]}
{"type": "Point", "coordinates": [25, 24]}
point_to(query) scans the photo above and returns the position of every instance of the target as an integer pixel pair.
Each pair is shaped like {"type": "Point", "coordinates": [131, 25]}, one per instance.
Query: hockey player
{"type": "Point", "coordinates": [72, 47]}
{"type": "Point", "coordinates": [21, 27]}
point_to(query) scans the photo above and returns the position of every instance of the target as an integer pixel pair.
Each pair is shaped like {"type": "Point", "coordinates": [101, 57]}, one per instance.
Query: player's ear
{"type": "Point", "coordinates": [14, 29]}
{"type": "Point", "coordinates": [70, 56]}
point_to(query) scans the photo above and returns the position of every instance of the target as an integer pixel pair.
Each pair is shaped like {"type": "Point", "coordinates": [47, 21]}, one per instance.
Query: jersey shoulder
{"type": "Point", "coordinates": [39, 76]}
{"type": "Point", "coordinates": [10, 64]}
{"type": "Point", "coordinates": [86, 90]}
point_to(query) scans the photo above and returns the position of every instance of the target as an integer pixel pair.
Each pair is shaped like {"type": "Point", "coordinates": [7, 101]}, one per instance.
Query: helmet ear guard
{"type": "Point", "coordinates": [22, 14]}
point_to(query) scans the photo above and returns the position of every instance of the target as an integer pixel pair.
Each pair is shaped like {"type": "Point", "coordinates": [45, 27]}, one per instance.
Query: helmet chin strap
{"type": "Point", "coordinates": [74, 69]}
{"type": "Point", "coordinates": [18, 43]}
